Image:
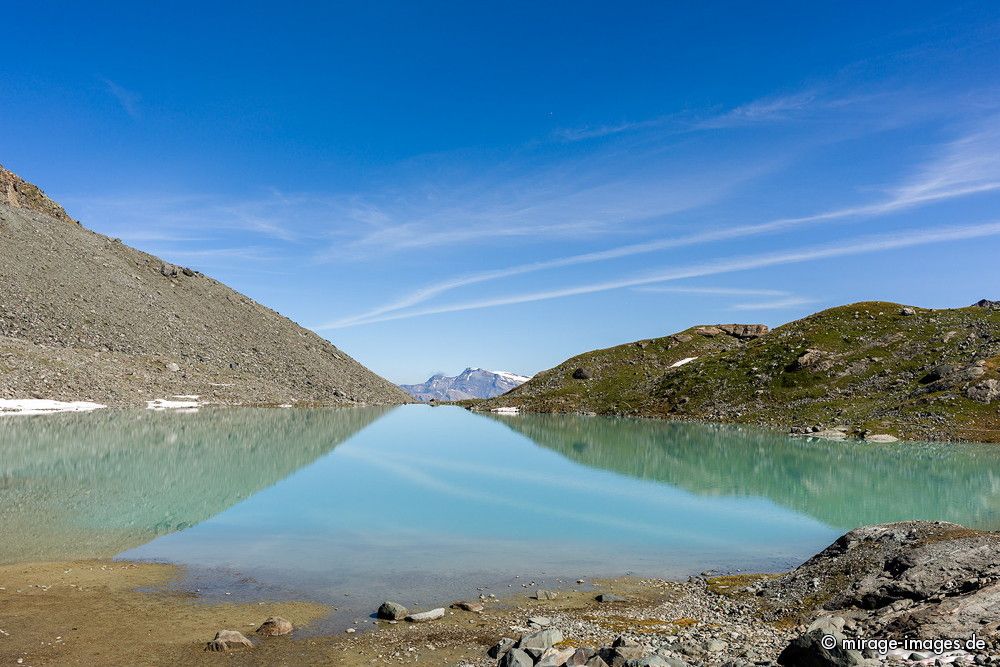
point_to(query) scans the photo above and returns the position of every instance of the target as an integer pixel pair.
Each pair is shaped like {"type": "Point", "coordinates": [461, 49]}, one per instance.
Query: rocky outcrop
{"type": "Point", "coordinates": [18, 193]}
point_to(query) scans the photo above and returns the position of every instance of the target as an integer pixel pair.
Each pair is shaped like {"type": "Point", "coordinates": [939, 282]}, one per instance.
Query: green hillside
{"type": "Point", "coordinates": [871, 367]}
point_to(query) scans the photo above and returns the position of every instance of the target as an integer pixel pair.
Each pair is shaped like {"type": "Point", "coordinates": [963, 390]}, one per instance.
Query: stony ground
{"type": "Point", "coordinates": [85, 317]}
{"type": "Point", "coordinates": [866, 369]}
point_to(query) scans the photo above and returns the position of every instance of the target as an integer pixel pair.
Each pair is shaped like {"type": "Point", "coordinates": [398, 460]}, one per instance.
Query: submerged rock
{"type": "Point", "coordinates": [392, 611]}
{"type": "Point", "coordinates": [274, 626]}
{"type": "Point", "coordinates": [226, 640]}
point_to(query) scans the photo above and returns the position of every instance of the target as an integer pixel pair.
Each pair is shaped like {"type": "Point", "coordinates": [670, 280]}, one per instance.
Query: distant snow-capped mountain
{"type": "Point", "coordinates": [470, 383]}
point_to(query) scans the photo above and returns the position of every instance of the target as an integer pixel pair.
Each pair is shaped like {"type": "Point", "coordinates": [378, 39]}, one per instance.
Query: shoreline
{"type": "Point", "coordinates": [123, 613]}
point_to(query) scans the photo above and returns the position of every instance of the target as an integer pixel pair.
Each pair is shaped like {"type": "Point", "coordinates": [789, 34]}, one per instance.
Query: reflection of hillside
{"type": "Point", "coordinates": [841, 484]}
{"type": "Point", "coordinates": [78, 486]}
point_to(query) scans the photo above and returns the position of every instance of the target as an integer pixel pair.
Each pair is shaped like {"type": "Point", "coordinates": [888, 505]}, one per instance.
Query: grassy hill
{"type": "Point", "coordinates": [872, 367]}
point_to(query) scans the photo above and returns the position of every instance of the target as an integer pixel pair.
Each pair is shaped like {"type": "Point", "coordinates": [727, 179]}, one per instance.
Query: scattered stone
{"type": "Point", "coordinates": [424, 616]}
{"type": "Point", "coordinates": [392, 611]}
{"type": "Point", "coordinates": [274, 626]}
{"type": "Point", "coordinates": [226, 640]}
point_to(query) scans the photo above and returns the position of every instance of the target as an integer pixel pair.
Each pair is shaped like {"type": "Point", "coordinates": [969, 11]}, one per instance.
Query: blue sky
{"type": "Point", "coordinates": [440, 185]}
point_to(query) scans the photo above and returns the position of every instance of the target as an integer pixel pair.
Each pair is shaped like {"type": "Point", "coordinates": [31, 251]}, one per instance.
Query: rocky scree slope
{"type": "Point", "coordinates": [871, 367]}
{"type": "Point", "coordinates": [85, 317]}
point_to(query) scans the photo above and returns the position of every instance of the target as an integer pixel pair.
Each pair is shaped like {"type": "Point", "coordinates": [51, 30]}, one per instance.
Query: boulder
{"type": "Point", "coordinates": [424, 616]}
{"type": "Point", "coordinates": [516, 658]}
{"type": "Point", "coordinates": [708, 332]}
{"type": "Point", "coordinates": [392, 611]}
{"type": "Point", "coordinates": [596, 661]}
{"type": "Point", "coordinates": [274, 626]}
{"type": "Point", "coordinates": [609, 597]}
{"type": "Point", "coordinates": [542, 594]}
{"type": "Point", "coordinates": [226, 640]}
{"type": "Point", "coordinates": [906, 311]}
{"type": "Point", "coordinates": [813, 360]}
{"type": "Point", "coordinates": [555, 657]}
{"type": "Point", "coordinates": [649, 661]}
{"type": "Point", "coordinates": [501, 648]}
{"type": "Point", "coordinates": [169, 270]}
{"type": "Point", "coordinates": [541, 639]}
{"type": "Point", "coordinates": [474, 607]}
{"type": "Point", "coordinates": [808, 650]}
{"type": "Point", "coordinates": [581, 656]}
{"type": "Point", "coordinates": [580, 374]}
{"type": "Point", "coordinates": [986, 391]}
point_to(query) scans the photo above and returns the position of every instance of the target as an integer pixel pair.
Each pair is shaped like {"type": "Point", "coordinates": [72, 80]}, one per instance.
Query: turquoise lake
{"type": "Point", "coordinates": [425, 505]}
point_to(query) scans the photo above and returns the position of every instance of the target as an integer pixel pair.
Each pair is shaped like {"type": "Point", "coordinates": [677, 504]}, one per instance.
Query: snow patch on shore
{"type": "Point", "coordinates": [506, 411]}
{"type": "Point", "coordinates": [39, 406]}
{"type": "Point", "coordinates": [685, 360]}
{"type": "Point", "coordinates": [179, 403]}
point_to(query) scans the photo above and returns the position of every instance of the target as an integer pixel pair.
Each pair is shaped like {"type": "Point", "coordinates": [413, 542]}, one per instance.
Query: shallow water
{"type": "Point", "coordinates": [424, 505]}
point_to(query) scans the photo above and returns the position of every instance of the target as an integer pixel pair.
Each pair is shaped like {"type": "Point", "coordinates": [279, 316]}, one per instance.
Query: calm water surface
{"type": "Point", "coordinates": [426, 504]}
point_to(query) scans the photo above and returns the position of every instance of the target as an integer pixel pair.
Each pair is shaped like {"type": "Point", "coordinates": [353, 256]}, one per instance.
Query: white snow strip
{"type": "Point", "coordinates": [683, 361]}
{"type": "Point", "coordinates": [514, 377]}
{"type": "Point", "coordinates": [38, 406]}
{"type": "Point", "coordinates": [185, 404]}
{"type": "Point", "coordinates": [506, 411]}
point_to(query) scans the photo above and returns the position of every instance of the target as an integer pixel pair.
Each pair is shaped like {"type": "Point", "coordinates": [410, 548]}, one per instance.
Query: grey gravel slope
{"type": "Point", "coordinates": [85, 317]}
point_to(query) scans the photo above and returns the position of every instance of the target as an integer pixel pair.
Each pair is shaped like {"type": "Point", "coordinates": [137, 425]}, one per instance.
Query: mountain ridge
{"type": "Point", "coordinates": [469, 384]}
{"type": "Point", "coordinates": [84, 316]}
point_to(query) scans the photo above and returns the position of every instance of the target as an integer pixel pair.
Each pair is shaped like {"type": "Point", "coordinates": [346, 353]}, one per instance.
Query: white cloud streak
{"type": "Point", "coordinates": [968, 166]}
{"type": "Point", "coordinates": [727, 265]}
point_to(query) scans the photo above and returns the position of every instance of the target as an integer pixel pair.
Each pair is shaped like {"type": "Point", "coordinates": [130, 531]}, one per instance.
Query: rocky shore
{"type": "Point", "coordinates": [904, 581]}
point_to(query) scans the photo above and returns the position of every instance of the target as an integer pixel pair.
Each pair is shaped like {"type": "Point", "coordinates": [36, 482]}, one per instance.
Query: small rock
{"type": "Point", "coordinates": [608, 597]}
{"type": "Point", "coordinates": [274, 626]}
{"type": "Point", "coordinates": [226, 640]}
{"type": "Point", "coordinates": [881, 437]}
{"type": "Point", "coordinates": [391, 611]}
{"type": "Point", "coordinates": [906, 311]}
{"type": "Point", "coordinates": [474, 607]}
{"type": "Point", "coordinates": [173, 367]}
{"type": "Point", "coordinates": [542, 594]}
{"type": "Point", "coordinates": [424, 616]}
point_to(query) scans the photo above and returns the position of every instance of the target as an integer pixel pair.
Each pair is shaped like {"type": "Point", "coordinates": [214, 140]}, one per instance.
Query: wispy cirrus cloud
{"type": "Point", "coordinates": [908, 239]}
{"type": "Point", "coordinates": [128, 100]}
{"type": "Point", "coordinates": [967, 166]}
